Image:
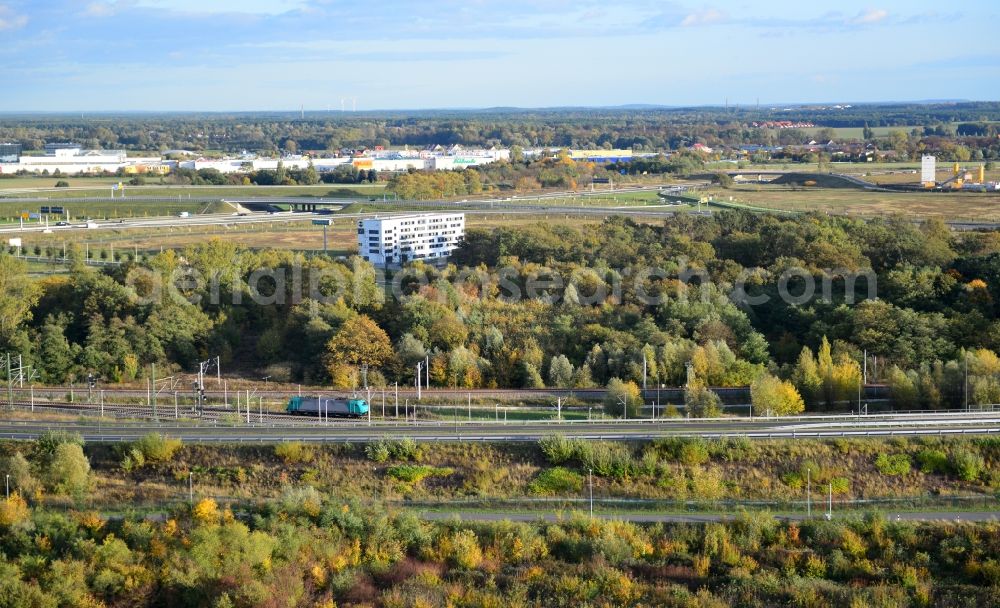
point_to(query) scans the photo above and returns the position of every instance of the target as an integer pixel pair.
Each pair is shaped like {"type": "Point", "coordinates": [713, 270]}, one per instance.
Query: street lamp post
{"type": "Point", "coordinates": [808, 493]}
{"type": "Point", "coordinates": [590, 481]}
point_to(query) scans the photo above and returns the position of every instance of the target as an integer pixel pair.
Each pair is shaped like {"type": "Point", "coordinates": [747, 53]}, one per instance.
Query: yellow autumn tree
{"type": "Point", "coordinates": [206, 511]}
{"type": "Point", "coordinates": [770, 395]}
{"type": "Point", "coordinates": [13, 511]}
{"type": "Point", "coordinates": [359, 342]}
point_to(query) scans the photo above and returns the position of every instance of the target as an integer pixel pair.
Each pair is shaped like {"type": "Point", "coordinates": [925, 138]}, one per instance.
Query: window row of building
{"type": "Point", "coordinates": [395, 240]}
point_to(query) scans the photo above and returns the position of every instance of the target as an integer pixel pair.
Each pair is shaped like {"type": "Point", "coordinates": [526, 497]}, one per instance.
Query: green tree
{"type": "Point", "coordinates": [410, 350]}
{"type": "Point", "coordinates": [55, 353]}
{"type": "Point", "coordinates": [806, 377]}
{"type": "Point", "coordinates": [560, 372]}
{"type": "Point", "coordinates": [622, 399]}
{"type": "Point", "coordinates": [18, 296]}
{"type": "Point", "coordinates": [701, 402]}
{"type": "Point", "coordinates": [69, 471]}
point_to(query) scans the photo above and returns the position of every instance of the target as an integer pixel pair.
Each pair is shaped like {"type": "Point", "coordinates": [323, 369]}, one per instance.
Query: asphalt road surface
{"type": "Point", "coordinates": [316, 430]}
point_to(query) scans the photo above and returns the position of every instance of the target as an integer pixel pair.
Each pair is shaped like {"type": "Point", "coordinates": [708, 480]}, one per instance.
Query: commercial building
{"type": "Point", "coordinates": [70, 159]}
{"type": "Point", "coordinates": [395, 240]}
{"type": "Point", "coordinates": [10, 153]}
{"type": "Point", "coordinates": [928, 170]}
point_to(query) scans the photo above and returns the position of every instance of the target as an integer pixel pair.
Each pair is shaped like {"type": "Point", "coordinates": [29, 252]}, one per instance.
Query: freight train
{"type": "Point", "coordinates": [327, 406]}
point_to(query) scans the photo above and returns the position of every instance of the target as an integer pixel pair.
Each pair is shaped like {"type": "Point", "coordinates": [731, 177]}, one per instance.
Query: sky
{"type": "Point", "coordinates": [265, 55]}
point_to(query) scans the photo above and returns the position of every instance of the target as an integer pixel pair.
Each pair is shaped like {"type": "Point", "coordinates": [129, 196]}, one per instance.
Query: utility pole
{"type": "Point", "coordinates": [644, 373]}
{"type": "Point", "coordinates": [559, 408]}
{"type": "Point", "coordinates": [590, 480]}
{"type": "Point", "coordinates": [865, 366]}
{"type": "Point", "coordinates": [829, 504]}
{"type": "Point", "coordinates": [427, 372]}
{"type": "Point", "coordinates": [191, 487]}
{"type": "Point", "coordinates": [10, 386]}
{"type": "Point", "coordinates": [396, 387]}
{"type": "Point", "coordinates": [966, 380]}
{"type": "Point", "coordinates": [419, 366]}
{"type": "Point", "coordinates": [156, 416]}
{"type": "Point", "coordinates": [809, 493]}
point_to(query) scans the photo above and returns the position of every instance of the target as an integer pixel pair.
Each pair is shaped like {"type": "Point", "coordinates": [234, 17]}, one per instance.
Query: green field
{"type": "Point", "coordinates": [856, 132]}
{"type": "Point", "coordinates": [11, 210]}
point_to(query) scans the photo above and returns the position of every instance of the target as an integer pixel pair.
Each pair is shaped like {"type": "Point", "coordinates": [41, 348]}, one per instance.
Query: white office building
{"type": "Point", "coordinates": [395, 240]}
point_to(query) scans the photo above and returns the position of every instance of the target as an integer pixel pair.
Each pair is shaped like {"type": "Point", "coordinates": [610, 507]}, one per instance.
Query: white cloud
{"type": "Point", "coordinates": [873, 15]}
{"type": "Point", "coordinates": [9, 20]}
{"type": "Point", "coordinates": [705, 17]}
{"type": "Point", "coordinates": [107, 9]}
{"type": "Point", "coordinates": [261, 7]}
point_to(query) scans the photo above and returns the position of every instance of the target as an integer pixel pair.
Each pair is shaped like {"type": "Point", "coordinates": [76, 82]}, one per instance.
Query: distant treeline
{"type": "Point", "coordinates": [639, 128]}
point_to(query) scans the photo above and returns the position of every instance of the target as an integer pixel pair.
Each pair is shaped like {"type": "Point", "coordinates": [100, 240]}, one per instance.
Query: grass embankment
{"type": "Point", "coordinates": [296, 235]}
{"type": "Point", "coordinates": [680, 474]}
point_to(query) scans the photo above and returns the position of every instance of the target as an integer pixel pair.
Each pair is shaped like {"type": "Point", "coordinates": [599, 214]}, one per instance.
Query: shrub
{"type": "Point", "coordinates": [305, 500]}
{"type": "Point", "coordinates": [932, 461]}
{"type": "Point", "coordinates": [377, 451]}
{"type": "Point", "coordinates": [406, 449]}
{"type": "Point", "coordinates": [49, 441]}
{"type": "Point", "coordinates": [415, 473]}
{"type": "Point", "coordinates": [20, 474]}
{"type": "Point", "coordinates": [134, 459]}
{"type": "Point", "coordinates": [733, 449]}
{"type": "Point", "coordinates": [967, 465]}
{"type": "Point", "coordinates": [291, 452]}
{"type": "Point", "coordinates": [607, 459]}
{"type": "Point", "coordinates": [897, 464]}
{"type": "Point", "coordinates": [556, 481]}
{"type": "Point", "coordinates": [557, 449]}
{"type": "Point", "coordinates": [840, 485]}
{"type": "Point", "coordinates": [793, 479]}
{"type": "Point", "coordinates": [691, 451]}
{"type": "Point", "coordinates": [158, 448]}
{"type": "Point", "coordinates": [385, 448]}
{"type": "Point", "coordinates": [464, 550]}
{"type": "Point", "coordinates": [694, 452]}
{"type": "Point", "coordinates": [706, 483]}
{"type": "Point", "coordinates": [69, 472]}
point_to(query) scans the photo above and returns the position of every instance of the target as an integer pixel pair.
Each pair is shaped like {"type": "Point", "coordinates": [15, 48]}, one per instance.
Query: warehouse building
{"type": "Point", "coordinates": [10, 153]}
{"type": "Point", "coordinates": [395, 240]}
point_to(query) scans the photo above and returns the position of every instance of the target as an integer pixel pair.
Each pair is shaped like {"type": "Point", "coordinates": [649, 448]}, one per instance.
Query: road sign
{"type": "Point", "coordinates": [601, 180]}
{"type": "Point", "coordinates": [45, 210]}
{"type": "Point", "coordinates": [322, 222]}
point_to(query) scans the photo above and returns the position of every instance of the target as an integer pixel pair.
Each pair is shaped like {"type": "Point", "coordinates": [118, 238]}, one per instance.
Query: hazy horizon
{"type": "Point", "coordinates": [278, 55]}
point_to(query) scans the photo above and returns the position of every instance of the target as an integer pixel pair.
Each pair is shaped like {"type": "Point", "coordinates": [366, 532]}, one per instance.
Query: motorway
{"type": "Point", "coordinates": [485, 207]}
{"type": "Point", "coordinates": [272, 428]}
